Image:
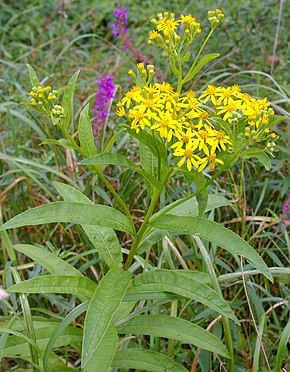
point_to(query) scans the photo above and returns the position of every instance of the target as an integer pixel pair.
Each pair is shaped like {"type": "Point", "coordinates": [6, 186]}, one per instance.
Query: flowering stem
{"type": "Point", "coordinates": [179, 84]}
{"type": "Point", "coordinates": [193, 194]}
{"type": "Point", "coordinates": [202, 47]}
{"type": "Point", "coordinates": [145, 223]}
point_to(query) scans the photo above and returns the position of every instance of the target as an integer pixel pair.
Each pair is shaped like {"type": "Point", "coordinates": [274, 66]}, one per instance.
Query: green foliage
{"type": "Point", "coordinates": [137, 239]}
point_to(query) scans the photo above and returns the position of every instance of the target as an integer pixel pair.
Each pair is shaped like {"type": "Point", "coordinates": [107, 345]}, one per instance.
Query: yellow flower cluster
{"type": "Point", "coordinates": [165, 34]}
{"type": "Point", "coordinates": [197, 128]}
{"type": "Point", "coordinates": [43, 99]}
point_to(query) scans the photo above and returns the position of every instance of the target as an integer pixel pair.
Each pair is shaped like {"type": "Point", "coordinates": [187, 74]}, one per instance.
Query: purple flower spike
{"type": "Point", "coordinates": [119, 27]}
{"type": "Point", "coordinates": [105, 93]}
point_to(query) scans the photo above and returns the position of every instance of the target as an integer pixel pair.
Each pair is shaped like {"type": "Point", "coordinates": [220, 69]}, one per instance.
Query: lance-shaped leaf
{"type": "Point", "coordinates": [87, 142]}
{"type": "Point", "coordinates": [51, 262]}
{"type": "Point", "coordinates": [19, 346]}
{"type": "Point", "coordinates": [182, 283]}
{"type": "Point", "coordinates": [122, 161]}
{"type": "Point", "coordinates": [103, 355]}
{"type": "Point", "coordinates": [145, 360]}
{"type": "Point", "coordinates": [173, 328]}
{"type": "Point", "coordinates": [67, 99]}
{"type": "Point", "coordinates": [215, 233]}
{"type": "Point", "coordinates": [32, 76]}
{"type": "Point", "coordinates": [258, 154]}
{"type": "Point", "coordinates": [191, 207]}
{"type": "Point", "coordinates": [104, 239]}
{"type": "Point", "coordinates": [78, 213]}
{"type": "Point", "coordinates": [195, 68]}
{"type": "Point", "coordinates": [102, 307]}
{"type": "Point", "coordinates": [75, 285]}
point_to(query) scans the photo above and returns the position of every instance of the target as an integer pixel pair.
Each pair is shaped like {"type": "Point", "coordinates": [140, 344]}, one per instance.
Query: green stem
{"type": "Point", "coordinates": [145, 223]}
{"type": "Point", "coordinates": [202, 47]}
{"type": "Point", "coordinates": [97, 170]}
{"type": "Point", "coordinates": [217, 288]}
{"type": "Point", "coordinates": [179, 84]}
{"type": "Point", "coordinates": [142, 230]}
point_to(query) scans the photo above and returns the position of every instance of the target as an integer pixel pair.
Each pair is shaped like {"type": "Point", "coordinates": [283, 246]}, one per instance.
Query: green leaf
{"type": "Point", "coordinates": [78, 213]}
{"type": "Point", "coordinates": [154, 144]}
{"type": "Point", "coordinates": [19, 346]}
{"type": "Point", "coordinates": [61, 142]}
{"type": "Point", "coordinates": [103, 355]}
{"type": "Point", "coordinates": [145, 360]}
{"type": "Point", "coordinates": [190, 207]}
{"type": "Point", "coordinates": [195, 68]}
{"type": "Point", "coordinates": [199, 181]}
{"type": "Point", "coordinates": [173, 66]}
{"type": "Point", "coordinates": [260, 155]}
{"type": "Point", "coordinates": [75, 285]}
{"type": "Point", "coordinates": [282, 347]}
{"type": "Point", "coordinates": [149, 164]}
{"type": "Point", "coordinates": [102, 307]}
{"type": "Point", "coordinates": [153, 237]}
{"type": "Point", "coordinates": [173, 328]}
{"type": "Point", "coordinates": [76, 312]}
{"type": "Point", "coordinates": [122, 161]}
{"type": "Point", "coordinates": [67, 99]}
{"type": "Point", "coordinates": [215, 233]}
{"type": "Point", "coordinates": [32, 76]}
{"type": "Point", "coordinates": [104, 239]}
{"type": "Point", "coordinates": [87, 142]}
{"type": "Point", "coordinates": [182, 283]}
{"type": "Point", "coordinates": [52, 263]}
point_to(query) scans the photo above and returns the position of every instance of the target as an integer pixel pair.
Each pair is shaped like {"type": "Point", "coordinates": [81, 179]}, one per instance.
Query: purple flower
{"type": "Point", "coordinates": [105, 93]}
{"type": "Point", "coordinates": [119, 27]}
{"type": "Point", "coordinates": [285, 216]}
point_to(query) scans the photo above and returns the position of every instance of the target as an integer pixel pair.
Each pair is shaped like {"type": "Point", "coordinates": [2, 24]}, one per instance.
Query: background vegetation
{"type": "Point", "coordinates": [59, 37]}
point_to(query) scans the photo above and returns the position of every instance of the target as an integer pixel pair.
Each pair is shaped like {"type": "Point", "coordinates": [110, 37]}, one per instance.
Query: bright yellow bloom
{"type": "Point", "coordinates": [188, 156]}
{"type": "Point", "coordinates": [224, 94]}
{"type": "Point", "coordinates": [209, 93]}
{"type": "Point", "coordinates": [230, 107]}
{"type": "Point", "coordinates": [185, 137]}
{"type": "Point", "coordinates": [166, 126]}
{"type": "Point", "coordinates": [220, 140]}
{"type": "Point", "coordinates": [210, 159]}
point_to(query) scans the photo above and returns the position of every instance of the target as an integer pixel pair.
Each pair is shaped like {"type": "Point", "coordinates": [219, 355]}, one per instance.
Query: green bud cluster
{"type": "Point", "coordinates": [57, 111]}
{"type": "Point", "coordinates": [43, 98]}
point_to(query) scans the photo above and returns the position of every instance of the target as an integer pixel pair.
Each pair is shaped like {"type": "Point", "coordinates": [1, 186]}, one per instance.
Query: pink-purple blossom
{"type": "Point", "coordinates": [105, 93]}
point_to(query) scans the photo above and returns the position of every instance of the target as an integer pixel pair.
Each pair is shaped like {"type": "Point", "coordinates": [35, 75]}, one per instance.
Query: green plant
{"type": "Point", "coordinates": [243, 131]}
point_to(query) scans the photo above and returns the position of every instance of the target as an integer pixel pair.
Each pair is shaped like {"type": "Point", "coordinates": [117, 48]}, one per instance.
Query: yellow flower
{"type": "Point", "coordinates": [185, 137]}
{"type": "Point", "coordinates": [225, 94]}
{"type": "Point", "coordinates": [202, 116]}
{"type": "Point", "coordinates": [210, 159]}
{"type": "Point", "coordinates": [139, 119]}
{"type": "Point", "coordinates": [166, 126]}
{"type": "Point", "coordinates": [220, 140]}
{"type": "Point", "coordinates": [121, 111]}
{"type": "Point", "coordinates": [154, 35]}
{"type": "Point", "coordinates": [230, 107]}
{"type": "Point", "coordinates": [151, 106]}
{"type": "Point", "coordinates": [188, 156]}
{"type": "Point", "coordinates": [209, 93]}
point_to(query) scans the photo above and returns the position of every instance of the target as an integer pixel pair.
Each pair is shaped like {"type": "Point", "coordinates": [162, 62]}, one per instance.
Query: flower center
{"type": "Point", "coordinates": [203, 134]}
{"type": "Point", "coordinates": [211, 158]}
{"type": "Point", "coordinates": [203, 115]}
{"type": "Point", "coordinates": [220, 135]}
{"type": "Point", "coordinates": [149, 103]}
{"type": "Point", "coordinates": [185, 139]}
{"type": "Point", "coordinates": [188, 153]}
